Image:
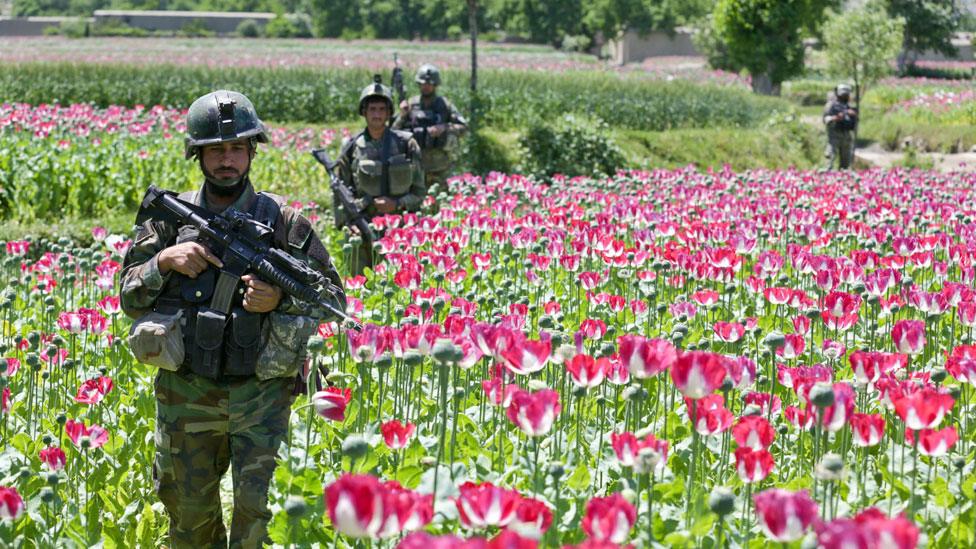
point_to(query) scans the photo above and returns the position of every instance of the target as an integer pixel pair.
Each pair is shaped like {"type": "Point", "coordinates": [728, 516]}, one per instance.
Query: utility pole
{"type": "Point", "coordinates": [473, 25]}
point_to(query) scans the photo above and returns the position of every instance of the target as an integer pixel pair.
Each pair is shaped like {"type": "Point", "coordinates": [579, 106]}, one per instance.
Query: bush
{"type": "Point", "coordinates": [249, 28]}
{"type": "Point", "coordinates": [72, 28]}
{"type": "Point", "coordinates": [807, 92]}
{"type": "Point", "coordinates": [292, 25]}
{"type": "Point", "coordinates": [114, 27]}
{"type": "Point", "coordinates": [572, 146]}
{"type": "Point", "coordinates": [197, 28]}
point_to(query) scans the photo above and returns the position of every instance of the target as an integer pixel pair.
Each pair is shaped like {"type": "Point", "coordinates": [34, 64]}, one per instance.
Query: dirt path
{"type": "Point", "coordinates": [874, 155]}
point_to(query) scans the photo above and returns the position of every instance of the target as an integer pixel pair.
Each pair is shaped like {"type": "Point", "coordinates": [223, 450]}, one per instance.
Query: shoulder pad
{"type": "Point", "coordinates": [301, 230]}
{"type": "Point", "coordinates": [280, 200]}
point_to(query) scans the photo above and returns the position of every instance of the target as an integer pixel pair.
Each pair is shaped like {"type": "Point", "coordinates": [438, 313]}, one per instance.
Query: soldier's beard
{"type": "Point", "coordinates": [220, 186]}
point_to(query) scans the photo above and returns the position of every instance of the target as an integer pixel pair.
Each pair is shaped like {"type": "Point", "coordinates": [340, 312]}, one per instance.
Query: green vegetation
{"type": "Point", "coordinates": [860, 43]}
{"type": "Point", "coordinates": [765, 37]}
{"type": "Point", "coordinates": [567, 24]}
{"type": "Point", "coordinates": [323, 96]}
{"type": "Point", "coordinates": [929, 25]}
{"type": "Point", "coordinates": [789, 143]}
{"type": "Point", "coordinates": [570, 146]}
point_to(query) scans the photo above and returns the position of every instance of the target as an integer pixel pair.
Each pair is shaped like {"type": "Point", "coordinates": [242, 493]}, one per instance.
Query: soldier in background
{"type": "Point", "coordinates": [382, 168]}
{"type": "Point", "coordinates": [435, 124]}
{"type": "Point", "coordinates": [841, 121]}
{"type": "Point", "coordinates": [223, 399]}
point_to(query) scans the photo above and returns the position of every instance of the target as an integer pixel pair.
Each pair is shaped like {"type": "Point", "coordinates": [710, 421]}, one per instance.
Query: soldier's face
{"type": "Point", "coordinates": [427, 88]}
{"type": "Point", "coordinates": [227, 162]}
{"type": "Point", "coordinates": [377, 113]}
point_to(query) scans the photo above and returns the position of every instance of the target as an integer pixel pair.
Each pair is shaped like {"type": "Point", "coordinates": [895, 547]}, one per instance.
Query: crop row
{"type": "Point", "coordinates": [322, 96]}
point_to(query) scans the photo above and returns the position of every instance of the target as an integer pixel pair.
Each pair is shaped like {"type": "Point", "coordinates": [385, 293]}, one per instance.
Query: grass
{"type": "Point", "coordinates": [777, 147]}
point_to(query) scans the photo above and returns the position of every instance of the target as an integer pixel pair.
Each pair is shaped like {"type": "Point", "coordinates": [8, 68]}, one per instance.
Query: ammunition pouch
{"type": "Point", "coordinates": [283, 351]}
{"type": "Point", "coordinates": [156, 339]}
{"type": "Point", "coordinates": [242, 343]}
{"type": "Point", "coordinates": [207, 342]}
{"type": "Point", "coordinates": [401, 174]}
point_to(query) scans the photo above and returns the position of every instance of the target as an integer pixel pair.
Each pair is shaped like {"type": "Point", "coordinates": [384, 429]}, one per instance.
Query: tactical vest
{"type": "Point", "coordinates": [388, 173]}
{"type": "Point", "coordinates": [220, 337]}
{"type": "Point", "coordinates": [421, 119]}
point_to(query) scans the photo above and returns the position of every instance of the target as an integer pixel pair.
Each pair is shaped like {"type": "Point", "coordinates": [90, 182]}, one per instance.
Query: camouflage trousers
{"type": "Point", "coordinates": [202, 428]}
{"type": "Point", "coordinates": [840, 149]}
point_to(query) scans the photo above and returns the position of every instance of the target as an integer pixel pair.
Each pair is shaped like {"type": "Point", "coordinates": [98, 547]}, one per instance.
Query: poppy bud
{"type": "Point", "coordinates": [722, 501]}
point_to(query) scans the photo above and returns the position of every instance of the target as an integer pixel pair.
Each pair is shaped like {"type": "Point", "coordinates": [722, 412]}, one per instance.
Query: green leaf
{"type": "Point", "coordinates": [580, 479]}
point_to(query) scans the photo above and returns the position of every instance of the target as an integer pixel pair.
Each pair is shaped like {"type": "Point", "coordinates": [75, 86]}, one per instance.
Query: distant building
{"type": "Point", "coordinates": [171, 21]}
{"type": "Point", "coordinates": [631, 47]}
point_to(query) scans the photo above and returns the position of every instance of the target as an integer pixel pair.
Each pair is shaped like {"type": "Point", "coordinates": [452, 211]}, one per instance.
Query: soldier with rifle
{"type": "Point", "coordinates": [841, 121]}
{"type": "Point", "coordinates": [226, 285]}
{"type": "Point", "coordinates": [435, 124]}
{"type": "Point", "coordinates": [380, 169]}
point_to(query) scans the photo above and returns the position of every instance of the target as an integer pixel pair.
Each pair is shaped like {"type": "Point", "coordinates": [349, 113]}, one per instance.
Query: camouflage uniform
{"type": "Point", "coordinates": [425, 112]}
{"type": "Point", "coordinates": [205, 425]}
{"type": "Point", "coordinates": [840, 133]}
{"type": "Point", "coordinates": [361, 167]}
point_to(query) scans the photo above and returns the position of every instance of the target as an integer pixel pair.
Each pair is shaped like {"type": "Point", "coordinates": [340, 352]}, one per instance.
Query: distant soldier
{"type": "Point", "coordinates": [435, 124]}
{"type": "Point", "coordinates": [841, 121]}
{"type": "Point", "coordinates": [382, 168]}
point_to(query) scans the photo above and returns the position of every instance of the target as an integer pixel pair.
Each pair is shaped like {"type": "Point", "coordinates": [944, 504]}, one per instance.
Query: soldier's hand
{"type": "Point", "coordinates": [259, 296]}
{"type": "Point", "coordinates": [404, 108]}
{"type": "Point", "coordinates": [435, 131]}
{"type": "Point", "coordinates": [188, 258]}
{"type": "Point", "coordinates": [384, 204]}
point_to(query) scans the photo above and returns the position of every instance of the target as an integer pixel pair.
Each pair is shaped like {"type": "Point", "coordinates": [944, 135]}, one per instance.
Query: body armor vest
{"type": "Point", "coordinates": [218, 342]}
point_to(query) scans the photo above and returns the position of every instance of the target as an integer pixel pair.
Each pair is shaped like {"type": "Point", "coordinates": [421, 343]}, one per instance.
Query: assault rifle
{"type": "Point", "coordinates": [397, 81]}
{"type": "Point", "coordinates": [343, 194]}
{"type": "Point", "coordinates": [239, 235]}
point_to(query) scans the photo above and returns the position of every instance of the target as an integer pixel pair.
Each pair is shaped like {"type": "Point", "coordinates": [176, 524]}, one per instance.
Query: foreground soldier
{"type": "Point", "coordinates": [382, 168]}
{"type": "Point", "coordinates": [841, 121]}
{"type": "Point", "coordinates": [238, 417]}
{"type": "Point", "coordinates": [435, 123]}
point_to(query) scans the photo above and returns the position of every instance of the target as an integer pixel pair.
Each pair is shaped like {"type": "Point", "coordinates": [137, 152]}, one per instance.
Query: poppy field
{"type": "Point", "coordinates": [675, 358]}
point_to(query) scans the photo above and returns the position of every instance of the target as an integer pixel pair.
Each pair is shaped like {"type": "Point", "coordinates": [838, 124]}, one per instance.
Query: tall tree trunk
{"type": "Point", "coordinates": [763, 85]}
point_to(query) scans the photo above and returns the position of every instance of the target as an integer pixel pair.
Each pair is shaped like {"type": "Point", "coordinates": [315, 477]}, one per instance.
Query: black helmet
{"type": "Point", "coordinates": [221, 116]}
{"type": "Point", "coordinates": [376, 89]}
{"type": "Point", "coordinates": [428, 74]}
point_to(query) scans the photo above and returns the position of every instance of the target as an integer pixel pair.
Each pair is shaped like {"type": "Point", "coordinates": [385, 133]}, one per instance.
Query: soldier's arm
{"type": "Point", "coordinates": [305, 245]}
{"type": "Point", "coordinates": [827, 114]}
{"type": "Point", "coordinates": [418, 188]}
{"type": "Point", "coordinates": [140, 279]}
{"type": "Point", "coordinates": [458, 124]}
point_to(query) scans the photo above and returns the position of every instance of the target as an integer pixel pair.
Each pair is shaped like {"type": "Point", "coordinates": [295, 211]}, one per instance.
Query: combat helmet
{"type": "Point", "coordinates": [376, 89]}
{"type": "Point", "coordinates": [428, 74]}
{"type": "Point", "coordinates": [221, 116]}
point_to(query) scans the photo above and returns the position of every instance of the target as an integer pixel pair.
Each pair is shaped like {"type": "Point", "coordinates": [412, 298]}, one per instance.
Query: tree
{"type": "Point", "coordinates": [765, 37]}
{"type": "Point", "coordinates": [860, 43]}
{"type": "Point", "coordinates": [929, 25]}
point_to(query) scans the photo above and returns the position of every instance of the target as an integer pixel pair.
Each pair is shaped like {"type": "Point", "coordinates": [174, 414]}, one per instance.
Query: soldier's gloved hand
{"type": "Point", "coordinates": [188, 258]}
{"type": "Point", "coordinates": [259, 296]}
{"type": "Point", "coordinates": [384, 204]}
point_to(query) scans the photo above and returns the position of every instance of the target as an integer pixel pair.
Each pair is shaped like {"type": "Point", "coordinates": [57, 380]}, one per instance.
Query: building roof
{"type": "Point", "coordinates": [174, 13]}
